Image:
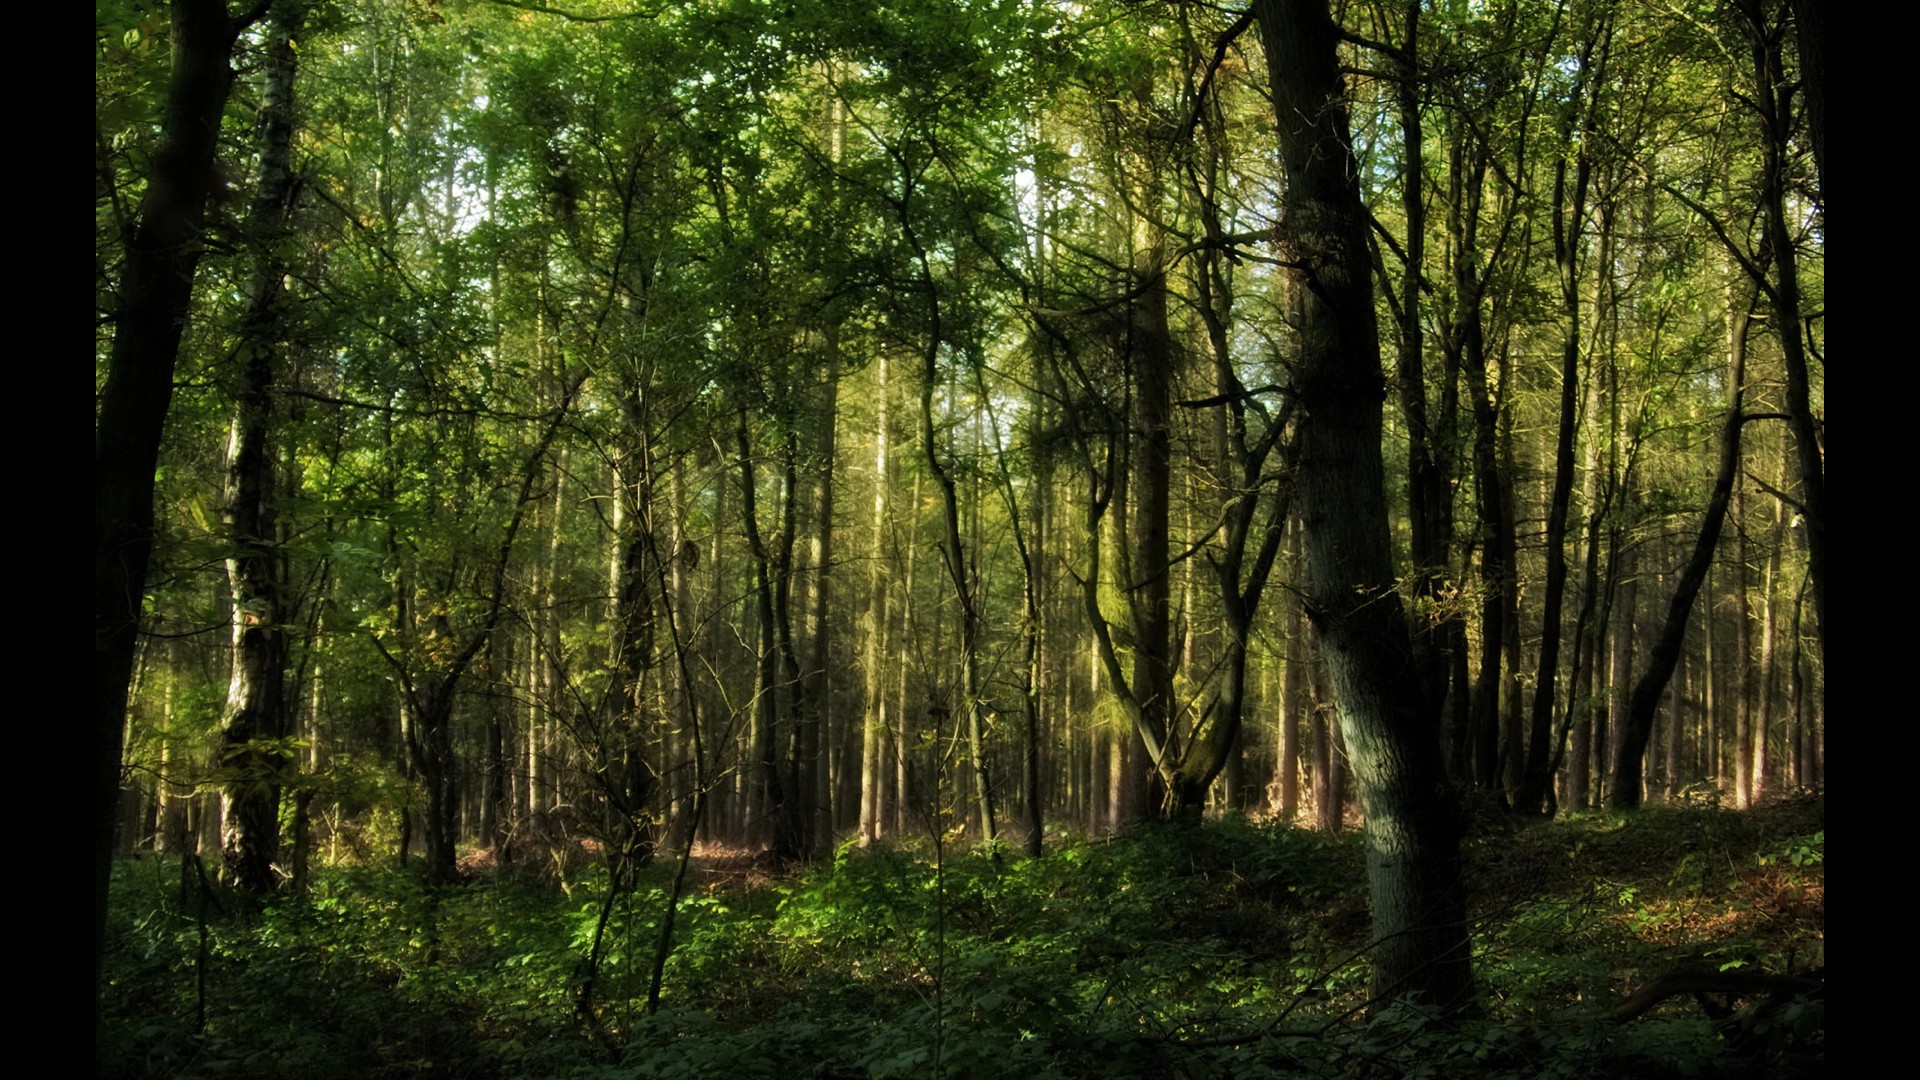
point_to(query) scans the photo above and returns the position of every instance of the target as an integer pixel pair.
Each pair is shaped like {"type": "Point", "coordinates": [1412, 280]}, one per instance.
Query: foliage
{"type": "Point", "coordinates": [569, 286]}
{"type": "Point", "coordinates": [1221, 949]}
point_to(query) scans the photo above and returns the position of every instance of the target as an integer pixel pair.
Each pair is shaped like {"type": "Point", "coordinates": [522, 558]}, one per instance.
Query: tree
{"type": "Point", "coordinates": [1569, 211]}
{"type": "Point", "coordinates": [1421, 949]}
{"type": "Point", "coordinates": [162, 247]}
{"type": "Point", "coordinates": [257, 707]}
{"type": "Point", "coordinates": [723, 261]}
{"type": "Point", "coordinates": [1637, 726]}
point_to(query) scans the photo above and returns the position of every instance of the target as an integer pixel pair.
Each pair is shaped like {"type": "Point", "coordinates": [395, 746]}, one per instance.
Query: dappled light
{"type": "Point", "coordinates": [959, 538]}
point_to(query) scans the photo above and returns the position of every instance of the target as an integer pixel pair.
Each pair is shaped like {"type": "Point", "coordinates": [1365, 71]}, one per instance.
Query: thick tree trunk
{"type": "Point", "coordinates": [162, 251]}
{"type": "Point", "coordinates": [1392, 733]}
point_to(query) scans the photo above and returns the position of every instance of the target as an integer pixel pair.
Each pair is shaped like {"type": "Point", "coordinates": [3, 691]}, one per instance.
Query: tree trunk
{"type": "Point", "coordinates": [1392, 732]}
{"type": "Point", "coordinates": [793, 704]}
{"type": "Point", "coordinates": [1569, 216]}
{"type": "Point", "coordinates": [624, 761]}
{"type": "Point", "coordinates": [874, 818]}
{"type": "Point", "coordinates": [163, 248]}
{"type": "Point", "coordinates": [254, 761]}
{"type": "Point", "coordinates": [952, 552]}
{"type": "Point", "coordinates": [1773, 95]}
{"type": "Point", "coordinates": [1430, 450]}
{"type": "Point", "coordinates": [1293, 703]}
{"type": "Point", "coordinates": [816, 721]}
{"type": "Point", "coordinates": [1637, 729]}
{"type": "Point", "coordinates": [1742, 679]}
{"type": "Point", "coordinates": [1810, 34]}
{"type": "Point", "coordinates": [1248, 505]}
{"type": "Point", "coordinates": [764, 732]}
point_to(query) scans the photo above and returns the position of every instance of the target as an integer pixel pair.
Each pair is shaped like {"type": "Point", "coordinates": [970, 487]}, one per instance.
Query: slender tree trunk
{"type": "Point", "coordinates": [815, 813]}
{"type": "Point", "coordinates": [765, 732]}
{"type": "Point", "coordinates": [1742, 680]}
{"type": "Point", "coordinates": [1030, 672]}
{"type": "Point", "coordinates": [1429, 445]}
{"type": "Point", "coordinates": [1673, 775]}
{"type": "Point", "coordinates": [495, 809]}
{"type": "Point", "coordinates": [1712, 758]}
{"type": "Point", "coordinates": [1329, 772]}
{"type": "Point", "coordinates": [1810, 34]}
{"type": "Point", "coordinates": [952, 551]}
{"type": "Point", "coordinates": [1466, 340]}
{"type": "Point", "coordinates": [1629, 763]}
{"type": "Point", "coordinates": [1763, 762]}
{"type": "Point", "coordinates": [1773, 98]}
{"type": "Point", "coordinates": [625, 762]}
{"type": "Point", "coordinates": [1146, 541]}
{"type": "Point", "coordinates": [1294, 702]}
{"type": "Point", "coordinates": [1569, 205]}
{"type": "Point", "coordinates": [1246, 501]}
{"type": "Point", "coordinates": [1600, 562]}
{"type": "Point", "coordinates": [874, 818]}
{"type": "Point", "coordinates": [792, 696]}
{"type": "Point", "coordinates": [900, 738]}
{"type": "Point", "coordinates": [171, 834]}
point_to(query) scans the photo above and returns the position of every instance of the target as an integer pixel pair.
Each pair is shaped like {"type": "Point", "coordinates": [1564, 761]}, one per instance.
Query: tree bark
{"type": "Point", "coordinates": [1392, 733]}
{"type": "Point", "coordinates": [163, 248]}
{"type": "Point", "coordinates": [257, 707]}
{"type": "Point", "coordinates": [874, 817]}
{"type": "Point", "coordinates": [1810, 34]}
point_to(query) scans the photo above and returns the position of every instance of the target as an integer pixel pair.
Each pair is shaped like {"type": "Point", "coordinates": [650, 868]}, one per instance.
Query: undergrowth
{"type": "Point", "coordinates": [1224, 950]}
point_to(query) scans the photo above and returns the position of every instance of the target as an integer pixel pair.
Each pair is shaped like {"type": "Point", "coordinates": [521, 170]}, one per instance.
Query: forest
{"type": "Point", "coordinates": [947, 538]}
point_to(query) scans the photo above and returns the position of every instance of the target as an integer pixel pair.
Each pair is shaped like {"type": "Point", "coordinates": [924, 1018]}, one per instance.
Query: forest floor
{"type": "Point", "coordinates": [1671, 942]}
